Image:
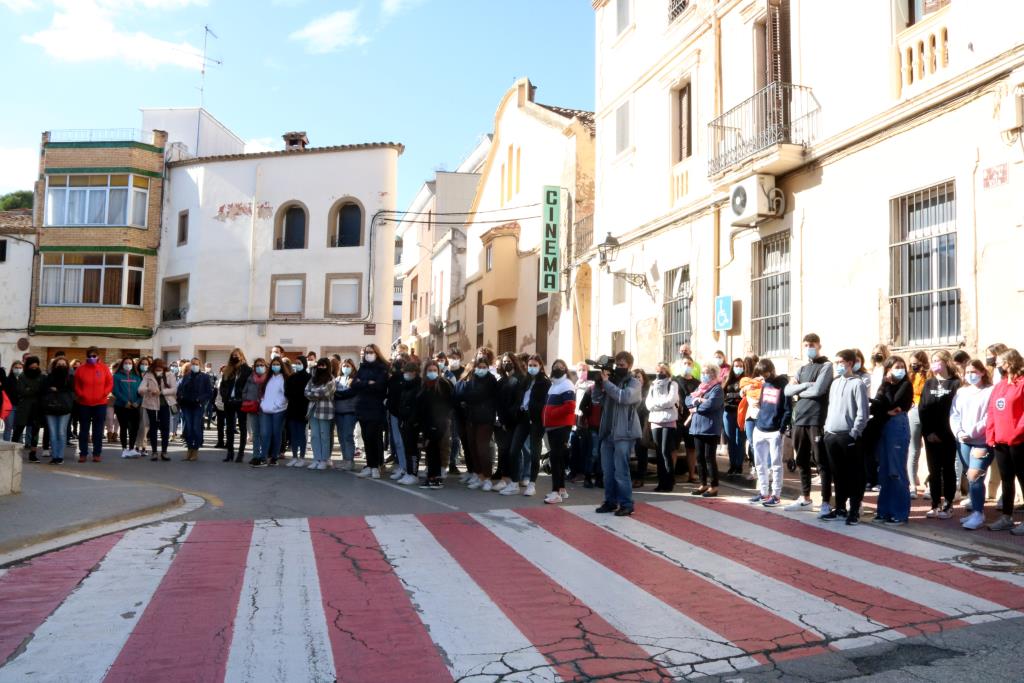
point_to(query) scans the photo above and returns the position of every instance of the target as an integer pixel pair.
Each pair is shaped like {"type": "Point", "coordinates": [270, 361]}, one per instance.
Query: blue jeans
{"type": "Point", "coordinates": [91, 417]}
{"type": "Point", "coordinates": [397, 445]}
{"type": "Point", "coordinates": [735, 439]}
{"type": "Point", "coordinates": [748, 430]}
{"type": "Point", "coordinates": [192, 425]}
{"type": "Point", "coordinates": [976, 488]}
{"type": "Point", "coordinates": [297, 437]}
{"type": "Point", "coordinates": [894, 498]}
{"type": "Point", "coordinates": [346, 427]}
{"type": "Point", "coordinates": [256, 429]}
{"type": "Point", "coordinates": [592, 466]}
{"type": "Point", "coordinates": [271, 429]}
{"type": "Point", "coordinates": [9, 424]}
{"type": "Point", "coordinates": [58, 425]}
{"type": "Point", "coordinates": [618, 487]}
{"type": "Point", "coordinates": [320, 434]}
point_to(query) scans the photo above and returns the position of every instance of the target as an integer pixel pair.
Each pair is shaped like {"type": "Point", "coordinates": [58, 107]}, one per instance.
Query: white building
{"type": "Point", "coordinates": [278, 248]}
{"type": "Point", "coordinates": [17, 246]}
{"type": "Point", "coordinates": [191, 132]}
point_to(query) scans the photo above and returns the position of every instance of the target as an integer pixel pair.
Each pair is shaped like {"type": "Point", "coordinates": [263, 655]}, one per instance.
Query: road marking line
{"type": "Point", "coordinates": [406, 489]}
{"type": "Point", "coordinates": [474, 637]}
{"type": "Point", "coordinates": [279, 632]}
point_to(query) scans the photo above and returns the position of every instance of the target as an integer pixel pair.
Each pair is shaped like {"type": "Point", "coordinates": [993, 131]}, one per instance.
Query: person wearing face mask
{"type": "Point", "coordinates": [273, 409]}
{"type": "Point", "coordinates": [939, 442]}
{"type": "Point", "coordinates": [410, 389]}
{"type": "Point", "coordinates": [30, 414]}
{"type": "Point", "coordinates": [891, 441]}
{"type": "Point", "coordinates": [918, 374]}
{"type": "Point", "coordinates": [735, 438]}
{"type": "Point", "coordinates": [967, 420]}
{"type": "Point", "coordinates": [845, 422]}
{"type": "Point", "coordinates": [127, 401]}
{"type": "Point", "coordinates": [193, 393]}
{"type": "Point", "coordinates": [57, 401]}
{"type": "Point", "coordinates": [345, 412]}
{"type": "Point", "coordinates": [687, 381]}
{"type": "Point", "coordinates": [558, 417]}
{"type": "Point", "coordinates": [393, 401]}
{"type": "Point", "coordinates": [159, 398]}
{"type": "Point", "coordinates": [746, 413]}
{"type": "Point", "coordinates": [319, 395]}
{"type": "Point", "coordinates": [93, 384]}
{"type": "Point", "coordinates": [298, 406]}
{"type": "Point", "coordinates": [1004, 433]}
{"type": "Point", "coordinates": [236, 376]}
{"type": "Point", "coordinates": [663, 412]}
{"type": "Point", "coordinates": [142, 438]}
{"type": "Point", "coordinates": [276, 352]}
{"type": "Point", "coordinates": [809, 394]}
{"type": "Point", "coordinates": [685, 354]}
{"type": "Point", "coordinates": [620, 428]}
{"type": "Point", "coordinates": [992, 353]}
{"type": "Point", "coordinates": [773, 418]}
{"type": "Point", "coordinates": [510, 377]}
{"type": "Point", "coordinates": [453, 371]}
{"type": "Point", "coordinates": [478, 396]}
{"type": "Point", "coordinates": [707, 404]}
{"type": "Point", "coordinates": [218, 407]}
{"type": "Point", "coordinates": [10, 389]}
{"type": "Point", "coordinates": [370, 386]}
{"type": "Point", "coordinates": [251, 394]}
{"type": "Point", "coordinates": [528, 433]}
{"type": "Point", "coordinates": [433, 417]}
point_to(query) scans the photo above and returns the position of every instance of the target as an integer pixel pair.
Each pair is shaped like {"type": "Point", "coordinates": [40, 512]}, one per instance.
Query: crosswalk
{"type": "Point", "coordinates": [682, 589]}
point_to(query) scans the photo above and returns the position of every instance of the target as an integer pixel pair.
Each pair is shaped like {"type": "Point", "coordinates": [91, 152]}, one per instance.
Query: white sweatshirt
{"type": "Point", "coordinates": [969, 412]}
{"type": "Point", "coordinates": [662, 399]}
{"type": "Point", "coordinates": [273, 397]}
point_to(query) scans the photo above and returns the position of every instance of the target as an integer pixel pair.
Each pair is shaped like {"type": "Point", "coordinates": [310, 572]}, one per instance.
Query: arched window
{"type": "Point", "coordinates": [290, 227]}
{"type": "Point", "coordinates": [345, 224]}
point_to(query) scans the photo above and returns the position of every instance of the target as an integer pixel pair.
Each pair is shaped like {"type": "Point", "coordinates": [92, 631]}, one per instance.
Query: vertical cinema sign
{"type": "Point", "coordinates": [549, 272]}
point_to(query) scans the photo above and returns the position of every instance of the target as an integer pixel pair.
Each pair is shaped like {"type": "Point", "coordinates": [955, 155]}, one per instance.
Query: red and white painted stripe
{"type": "Point", "coordinates": [682, 589]}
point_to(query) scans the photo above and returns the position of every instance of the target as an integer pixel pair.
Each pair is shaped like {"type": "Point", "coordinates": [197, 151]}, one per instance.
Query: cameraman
{"type": "Point", "coordinates": [619, 431]}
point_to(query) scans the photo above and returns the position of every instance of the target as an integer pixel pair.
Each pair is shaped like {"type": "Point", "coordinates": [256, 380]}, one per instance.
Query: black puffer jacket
{"type": "Point", "coordinates": [434, 407]}
{"type": "Point", "coordinates": [407, 393]}
{"type": "Point", "coordinates": [478, 397]}
{"type": "Point", "coordinates": [295, 392]}
{"type": "Point", "coordinates": [509, 394]}
{"type": "Point", "coordinates": [234, 384]}
{"type": "Point", "coordinates": [370, 397]}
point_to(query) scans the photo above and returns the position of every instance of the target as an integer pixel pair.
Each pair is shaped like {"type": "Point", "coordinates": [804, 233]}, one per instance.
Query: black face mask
{"type": "Point", "coordinates": [877, 358]}
{"type": "Point", "coordinates": [558, 373]}
{"type": "Point", "coordinates": [662, 375]}
{"type": "Point", "coordinates": [32, 372]}
{"type": "Point", "coordinates": [508, 368]}
{"type": "Point", "coordinates": [990, 361]}
{"type": "Point", "coordinates": [619, 373]}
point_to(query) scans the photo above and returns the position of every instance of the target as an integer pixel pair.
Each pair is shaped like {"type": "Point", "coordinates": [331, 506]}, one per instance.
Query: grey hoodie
{"type": "Point", "coordinates": [847, 406]}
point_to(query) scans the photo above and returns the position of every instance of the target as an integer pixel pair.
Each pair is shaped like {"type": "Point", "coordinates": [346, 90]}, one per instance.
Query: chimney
{"type": "Point", "coordinates": [296, 140]}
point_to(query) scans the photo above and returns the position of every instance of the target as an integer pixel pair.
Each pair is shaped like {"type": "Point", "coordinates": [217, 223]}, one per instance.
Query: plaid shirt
{"type": "Point", "coordinates": [321, 400]}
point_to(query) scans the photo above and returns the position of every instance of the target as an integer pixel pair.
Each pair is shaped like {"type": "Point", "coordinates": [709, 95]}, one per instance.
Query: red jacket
{"type": "Point", "coordinates": [560, 406]}
{"type": "Point", "coordinates": [1005, 423]}
{"type": "Point", "coordinates": [93, 384]}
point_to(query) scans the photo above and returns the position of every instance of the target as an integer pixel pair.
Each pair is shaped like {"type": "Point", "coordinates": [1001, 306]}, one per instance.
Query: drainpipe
{"type": "Point", "coordinates": [717, 215]}
{"type": "Point", "coordinates": [252, 240]}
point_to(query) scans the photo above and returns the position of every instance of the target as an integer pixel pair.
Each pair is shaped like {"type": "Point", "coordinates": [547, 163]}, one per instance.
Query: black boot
{"type": "Point", "coordinates": [229, 457]}
{"type": "Point", "coordinates": [240, 456]}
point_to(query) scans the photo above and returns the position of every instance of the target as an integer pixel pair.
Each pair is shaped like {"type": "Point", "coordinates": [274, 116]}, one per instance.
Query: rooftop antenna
{"type": "Point", "coordinates": [207, 32]}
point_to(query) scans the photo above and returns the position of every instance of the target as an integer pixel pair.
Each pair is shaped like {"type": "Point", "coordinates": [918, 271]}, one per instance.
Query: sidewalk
{"type": "Point", "coordinates": [56, 502]}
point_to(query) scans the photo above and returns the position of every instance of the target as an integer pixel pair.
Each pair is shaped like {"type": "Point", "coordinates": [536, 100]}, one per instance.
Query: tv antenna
{"type": "Point", "coordinates": [207, 32]}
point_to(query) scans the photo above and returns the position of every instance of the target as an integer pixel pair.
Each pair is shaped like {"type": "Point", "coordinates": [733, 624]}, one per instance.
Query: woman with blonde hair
{"type": "Point", "coordinates": [968, 420]}
{"type": "Point", "coordinates": [917, 377]}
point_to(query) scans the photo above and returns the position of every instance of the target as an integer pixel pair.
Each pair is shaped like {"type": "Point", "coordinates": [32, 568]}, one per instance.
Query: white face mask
{"type": "Point", "coordinates": [370, 358]}
{"type": "Point", "coordinates": [127, 367]}
{"type": "Point", "coordinates": [455, 364]}
{"type": "Point", "coordinates": [196, 368]}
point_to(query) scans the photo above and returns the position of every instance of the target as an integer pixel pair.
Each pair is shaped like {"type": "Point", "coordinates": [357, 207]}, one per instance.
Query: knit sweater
{"type": "Point", "coordinates": [969, 414]}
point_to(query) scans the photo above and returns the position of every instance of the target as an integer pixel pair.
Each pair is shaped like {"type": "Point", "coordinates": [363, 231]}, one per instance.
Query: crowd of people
{"type": "Point", "coordinates": [854, 426]}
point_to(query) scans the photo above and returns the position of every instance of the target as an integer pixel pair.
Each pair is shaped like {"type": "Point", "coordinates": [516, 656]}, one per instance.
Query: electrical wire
{"type": "Point", "coordinates": [457, 213]}
{"type": "Point", "coordinates": [497, 221]}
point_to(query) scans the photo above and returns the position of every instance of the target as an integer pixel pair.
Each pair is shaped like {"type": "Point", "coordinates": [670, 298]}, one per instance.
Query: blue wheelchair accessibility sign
{"type": "Point", "coordinates": [723, 313]}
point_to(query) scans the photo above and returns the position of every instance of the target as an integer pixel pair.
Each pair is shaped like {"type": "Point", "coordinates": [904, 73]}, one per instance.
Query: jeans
{"type": "Point", "coordinates": [159, 421]}
{"type": "Point", "coordinates": [320, 434]}
{"type": "Point", "coordinates": [1010, 460]}
{"type": "Point", "coordinates": [664, 439]}
{"type": "Point", "coordinates": [297, 437]}
{"type": "Point", "coordinates": [526, 464]}
{"type": "Point", "coordinates": [397, 443]}
{"type": "Point", "coordinates": [894, 498]}
{"type": "Point", "coordinates": [915, 445]}
{"type": "Point", "coordinates": [271, 428]}
{"type": "Point", "coordinates": [345, 424]}
{"type": "Point", "coordinates": [707, 459]}
{"type": "Point", "coordinates": [9, 424]}
{"type": "Point", "coordinates": [592, 465]}
{"type": "Point", "coordinates": [256, 429]}
{"type": "Point", "coordinates": [455, 438]}
{"type": "Point", "coordinates": [618, 487]}
{"type": "Point", "coordinates": [748, 429]}
{"type": "Point", "coordinates": [808, 440]}
{"type": "Point", "coordinates": [58, 425]}
{"type": "Point", "coordinates": [941, 469]}
{"type": "Point", "coordinates": [373, 442]}
{"type": "Point", "coordinates": [768, 461]}
{"type": "Point", "coordinates": [847, 463]}
{"type": "Point", "coordinates": [236, 421]}
{"type": "Point", "coordinates": [736, 440]}
{"type": "Point", "coordinates": [975, 488]}
{"type": "Point", "coordinates": [128, 419]}
{"type": "Point", "coordinates": [558, 443]}
{"type": "Point", "coordinates": [91, 417]}
{"type": "Point", "coordinates": [192, 426]}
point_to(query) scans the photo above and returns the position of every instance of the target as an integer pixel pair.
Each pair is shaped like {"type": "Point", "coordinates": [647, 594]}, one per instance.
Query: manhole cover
{"type": "Point", "coordinates": [992, 563]}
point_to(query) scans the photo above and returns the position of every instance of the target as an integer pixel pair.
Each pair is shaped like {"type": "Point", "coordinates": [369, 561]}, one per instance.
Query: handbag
{"type": "Point", "coordinates": [250, 406]}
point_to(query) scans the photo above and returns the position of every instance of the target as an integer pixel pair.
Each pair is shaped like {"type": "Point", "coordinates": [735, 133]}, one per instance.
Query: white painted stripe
{"type": "Point", "coordinates": [907, 586]}
{"type": "Point", "coordinates": [280, 631]}
{"type": "Point", "coordinates": [675, 640]}
{"type": "Point", "coordinates": [407, 489]}
{"type": "Point", "coordinates": [918, 547]}
{"type": "Point", "coordinates": [469, 629]}
{"type": "Point", "coordinates": [81, 640]}
{"type": "Point", "coordinates": [800, 608]}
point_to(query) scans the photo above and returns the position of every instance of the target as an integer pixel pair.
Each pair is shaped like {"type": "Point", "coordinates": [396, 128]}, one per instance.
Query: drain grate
{"type": "Point", "coordinates": [992, 563]}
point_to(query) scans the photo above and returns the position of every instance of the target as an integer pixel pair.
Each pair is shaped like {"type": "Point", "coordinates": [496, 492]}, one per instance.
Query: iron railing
{"type": "Point", "coordinates": [174, 314]}
{"type": "Point", "coordinates": [101, 135]}
{"type": "Point", "coordinates": [780, 113]}
{"type": "Point", "coordinates": [676, 8]}
{"type": "Point", "coordinates": [581, 238]}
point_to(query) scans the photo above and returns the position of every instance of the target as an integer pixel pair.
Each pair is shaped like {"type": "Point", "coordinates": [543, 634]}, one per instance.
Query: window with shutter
{"type": "Point", "coordinates": [344, 296]}
{"type": "Point", "coordinates": [683, 116]}
{"type": "Point", "coordinates": [622, 140]}
{"type": "Point", "coordinates": [507, 340]}
{"type": "Point", "coordinates": [288, 294]}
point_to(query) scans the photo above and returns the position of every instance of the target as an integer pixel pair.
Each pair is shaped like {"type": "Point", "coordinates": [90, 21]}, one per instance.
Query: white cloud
{"type": "Point", "coordinates": [328, 33]}
{"type": "Point", "coordinates": [85, 31]}
{"type": "Point", "coordinates": [19, 168]}
{"type": "Point", "coordinates": [391, 8]}
{"type": "Point", "coordinates": [18, 6]}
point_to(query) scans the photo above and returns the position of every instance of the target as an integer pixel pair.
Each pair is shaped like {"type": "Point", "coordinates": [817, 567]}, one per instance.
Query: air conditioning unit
{"type": "Point", "coordinates": [1011, 112]}
{"type": "Point", "coordinates": [755, 200]}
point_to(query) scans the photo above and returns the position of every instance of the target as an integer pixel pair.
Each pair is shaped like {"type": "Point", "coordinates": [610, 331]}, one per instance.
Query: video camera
{"type": "Point", "coordinates": [606, 363]}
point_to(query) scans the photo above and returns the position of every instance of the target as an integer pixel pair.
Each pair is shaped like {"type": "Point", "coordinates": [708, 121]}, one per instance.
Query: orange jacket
{"type": "Point", "coordinates": [93, 384]}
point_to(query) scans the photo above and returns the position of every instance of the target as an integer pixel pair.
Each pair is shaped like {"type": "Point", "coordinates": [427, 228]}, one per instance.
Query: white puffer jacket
{"type": "Point", "coordinates": [662, 402]}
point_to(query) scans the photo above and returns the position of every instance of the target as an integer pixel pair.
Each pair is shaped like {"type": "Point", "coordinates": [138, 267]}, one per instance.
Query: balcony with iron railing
{"type": "Point", "coordinates": [581, 238]}
{"type": "Point", "coordinates": [171, 315]}
{"type": "Point", "coordinates": [102, 135]}
{"type": "Point", "coordinates": [773, 128]}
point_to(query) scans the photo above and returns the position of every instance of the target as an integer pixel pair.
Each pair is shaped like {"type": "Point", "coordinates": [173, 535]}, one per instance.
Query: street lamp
{"type": "Point", "coordinates": [608, 251]}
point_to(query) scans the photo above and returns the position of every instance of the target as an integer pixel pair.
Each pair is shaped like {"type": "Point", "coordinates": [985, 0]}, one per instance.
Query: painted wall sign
{"type": "Point", "coordinates": [995, 176]}
{"type": "Point", "coordinates": [229, 212]}
{"type": "Point", "coordinates": [549, 256]}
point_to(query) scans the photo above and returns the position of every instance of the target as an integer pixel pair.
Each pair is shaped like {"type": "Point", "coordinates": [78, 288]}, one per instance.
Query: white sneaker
{"type": "Point", "coordinates": [553, 498]}
{"type": "Point", "coordinates": [474, 484]}
{"type": "Point", "coordinates": [564, 495]}
{"type": "Point", "coordinates": [913, 494]}
{"type": "Point", "coordinates": [965, 504]}
{"type": "Point", "coordinates": [347, 465]}
{"type": "Point", "coordinates": [973, 521]}
{"type": "Point", "coordinates": [397, 474]}
{"type": "Point", "coordinates": [927, 495]}
{"type": "Point", "coordinates": [524, 483]}
{"type": "Point", "coordinates": [510, 490]}
{"type": "Point", "coordinates": [409, 480]}
{"type": "Point", "coordinates": [944, 514]}
{"type": "Point", "coordinates": [798, 505]}
{"type": "Point", "coordinates": [824, 510]}
{"type": "Point", "coordinates": [375, 473]}
{"type": "Point", "coordinates": [500, 486]}
{"type": "Point", "coordinates": [366, 472]}
{"type": "Point", "coordinates": [531, 489]}
{"type": "Point", "coordinates": [473, 479]}
{"type": "Point", "coordinates": [487, 486]}
{"type": "Point", "coordinates": [124, 453]}
{"type": "Point", "coordinates": [750, 476]}
{"type": "Point", "coordinates": [132, 453]}
{"type": "Point", "coordinates": [322, 465]}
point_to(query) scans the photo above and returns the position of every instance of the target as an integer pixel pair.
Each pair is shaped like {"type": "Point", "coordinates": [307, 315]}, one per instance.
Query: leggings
{"type": "Point", "coordinates": [373, 442]}
{"type": "Point", "coordinates": [128, 419]}
{"type": "Point", "coordinates": [942, 470]}
{"type": "Point", "coordinates": [558, 443]}
{"type": "Point", "coordinates": [1010, 460]}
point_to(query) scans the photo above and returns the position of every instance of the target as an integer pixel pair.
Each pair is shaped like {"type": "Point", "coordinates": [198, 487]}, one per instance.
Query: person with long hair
{"type": "Point", "coordinates": [939, 442]}
{"type": "Point", "coordinates": [992, 353]}
{"type": "Point", "coordinates": [889, 413]}
{"type": "Point", "coordinates": [10, 387]}
{"type": "Point", "coordinates": [142, 438]}
{"type": "Point", "coordinates": [662, 413]}
{"type": "Point", "coordinates": [159, 391]}
{"type": "Point", "coordinates": [735, 436]}
{"type": "Point", "coordinates": [218, 408]}
{"type": "Point", "coordinates": [454, 372]}
{"type": "Point", "coordinates": [319, 395]}
{"type": "Point", "coordinates": [295, 416]}
{"type": "Point", "coordinates": [967, 420]}
{"type": "Point", "coordinates": [510, 376]}
{"type": "Point", "coordinates": [558, 417]}
{"type": "Point", "coordinates": [527, 439]}
{"type": "Point", "coordinates": [251, 396]}
{"type": "Point", "coordinates": [126, 405]}
{"type": "Point", "coordinates": [370, 387]}
{"type": "Point", "coordinates": [1004, 433]}
{"type": "Point", "coordinates": [917, 377]}
{"type": "Point", "coordinates": [707, 405]}
{"type": "Point", "coordinates": [434, 413]}
{"type": "Point", "coordinates": [407, 416]}
{"type": "Point", "coordinates": [236, 375]}
{"type": "Point", "coordinates": [642, 447]}
{"type": "Point", "coordinates": [58, 401]}
{"type": "Point", "coordinates": [345, 410]}
{"type": "Point", "coordinates": [746, 412]}
{"type": "Point", "coordinates": [478, 395]}
{"type": "Point", "coordinates": [194, 392]}
{"type": "Point", "coordinates": [273, 407]}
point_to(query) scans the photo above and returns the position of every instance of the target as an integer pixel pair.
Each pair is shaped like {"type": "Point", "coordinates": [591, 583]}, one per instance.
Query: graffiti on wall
{"type": "Point", "coordinates": [229, 212]}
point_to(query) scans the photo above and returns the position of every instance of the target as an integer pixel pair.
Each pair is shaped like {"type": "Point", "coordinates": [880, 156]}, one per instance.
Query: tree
{"type": "Point", "coordinates": [20, 199]}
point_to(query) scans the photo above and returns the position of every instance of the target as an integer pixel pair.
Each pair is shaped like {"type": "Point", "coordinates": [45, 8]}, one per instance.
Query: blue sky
{"type": "Point", "coordinates": [427, 73]}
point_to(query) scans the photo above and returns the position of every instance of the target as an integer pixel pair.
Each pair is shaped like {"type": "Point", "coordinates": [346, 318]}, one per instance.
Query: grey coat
{"type": "Point", "coordinates": [619, 420]}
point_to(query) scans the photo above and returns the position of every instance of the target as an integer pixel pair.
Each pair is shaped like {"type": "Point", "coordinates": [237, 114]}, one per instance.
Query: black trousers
{"type": "Point", "coordinates": [1010, 460]}
{"type": "Point", "coordinates": [808, 442]}
{"type": "Point", "coordinates": [236, 420]}
{"type": "Point", "coordinates": [707, 459]}
{"type": "Point", "coordinates": [373, 441]}
{"type": "Point", "coordinates": [642, 456]}
{"type": "Point", "coordinates": [503, 440]}
{"type": "Point", "coordinates": [159, 420]}
{"type": "Point", "coordinates": [128, 419]}
{"type": "Point", "coordinates": [220, 427]}
{"type": "Point", "coordinates": [942, 481]}
{"type": "Point", "coordinates": [434, 439]}
{"type": "Point", "coordinates": [558, 455]}
{"type": "Point", "coordinates": [411, 441]}
{"type": "Point", "coordinates": [664, 442]}
{"type": "Point", "coordinates": [846, 462]}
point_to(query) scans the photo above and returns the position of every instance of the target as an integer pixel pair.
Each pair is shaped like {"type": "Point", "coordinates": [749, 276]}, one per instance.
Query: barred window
{"type": "Point", "coordinates": [676, 308]}
{"type": "Point", "coordinates": [924, 299]}
{"type": "Point", "coordinates": [770, 292]}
